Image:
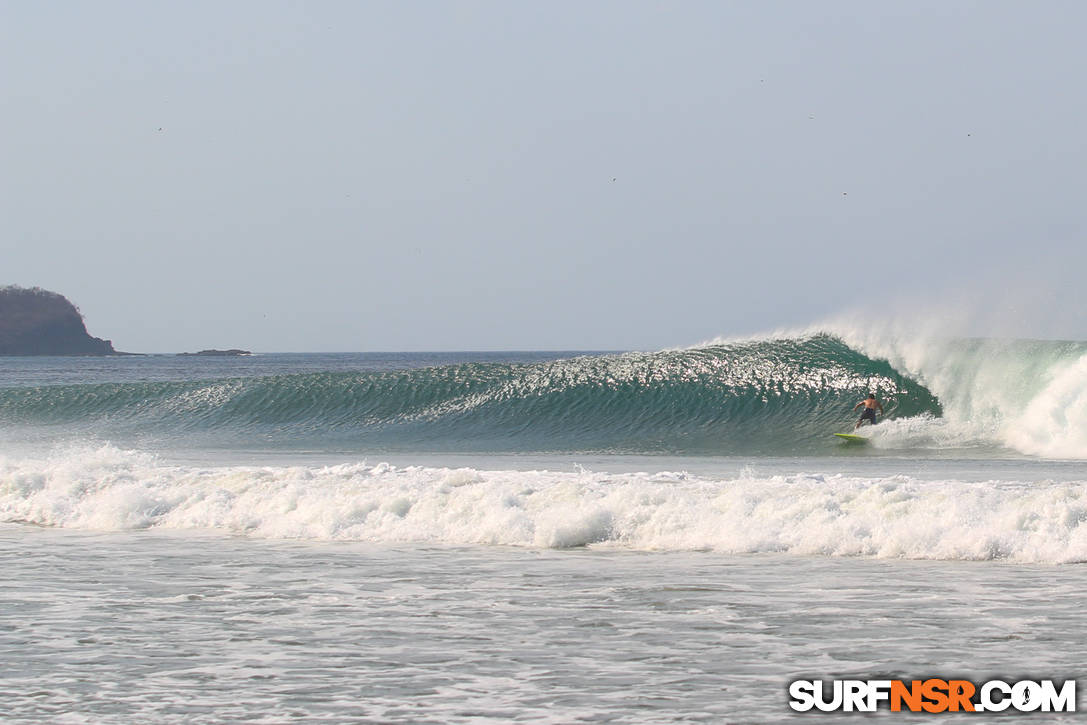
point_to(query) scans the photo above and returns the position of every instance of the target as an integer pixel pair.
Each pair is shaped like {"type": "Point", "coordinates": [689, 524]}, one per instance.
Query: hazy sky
{"type": "Point", "coordinates": [307, 176]}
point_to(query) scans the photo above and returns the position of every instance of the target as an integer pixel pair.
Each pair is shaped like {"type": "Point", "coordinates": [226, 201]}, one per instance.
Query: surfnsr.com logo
{"type": "Point", "coordinates": [932, 695]}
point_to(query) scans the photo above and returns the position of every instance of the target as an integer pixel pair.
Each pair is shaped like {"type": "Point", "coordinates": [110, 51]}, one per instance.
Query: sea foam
{"type": "Point", "coordinates": [803, 514]}
{"type": "Point", "coordinates": [1026, 395]}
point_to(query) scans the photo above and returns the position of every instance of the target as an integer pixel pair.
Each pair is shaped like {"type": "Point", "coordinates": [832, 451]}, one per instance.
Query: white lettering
{"type": "Point", "coordinates": [1064, 701]}
{"type": "Point", "coordinates": [988, 704]}
{"type": "Point", "coordinates": [854, 695]}
{"type": "Point", "coordinates": [878, 690]}
{"type": "Point", "coordinates": [836, 699]}
{"type": "Point", "coordinates": [993, 696]}
{"type": "Point", "coordinates": [802, 693]}
{"type": "Point", "coordinates": [1026, 696]}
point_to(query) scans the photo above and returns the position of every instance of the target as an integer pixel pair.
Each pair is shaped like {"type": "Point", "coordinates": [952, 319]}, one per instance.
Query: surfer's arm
{"type": "Point", "coordinates": [858, 405]}
{"type": "Point", "coordinates": [880, 408]}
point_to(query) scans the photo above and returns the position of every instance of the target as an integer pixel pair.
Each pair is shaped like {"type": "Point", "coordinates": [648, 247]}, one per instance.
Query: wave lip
{"type": "Point", "coordinates": [1028, 396]}
{"type": "Point", "coordinates": [804, 514]}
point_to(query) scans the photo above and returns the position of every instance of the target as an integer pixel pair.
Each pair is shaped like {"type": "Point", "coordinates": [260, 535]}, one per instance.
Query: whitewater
{"type": "Point", "coordinates": [545, 537]}
{"type": "Point", "coordinates": [897, 516]}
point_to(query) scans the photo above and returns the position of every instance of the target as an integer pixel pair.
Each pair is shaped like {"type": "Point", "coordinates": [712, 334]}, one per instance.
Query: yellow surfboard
{"type": "Point", "coordinates": [852, 438]}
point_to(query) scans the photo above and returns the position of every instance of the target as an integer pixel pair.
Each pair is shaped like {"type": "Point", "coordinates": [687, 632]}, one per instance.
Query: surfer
{"type": "Point", "coordinates": [869, 404]}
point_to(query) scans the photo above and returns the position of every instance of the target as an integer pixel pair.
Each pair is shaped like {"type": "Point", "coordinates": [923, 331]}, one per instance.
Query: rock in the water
{"type": "Point", "coordinates": [219, 353]}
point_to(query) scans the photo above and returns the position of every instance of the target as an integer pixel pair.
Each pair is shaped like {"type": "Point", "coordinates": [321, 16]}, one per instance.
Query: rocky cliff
{"type": "Point", "coordinates": [38, 322]}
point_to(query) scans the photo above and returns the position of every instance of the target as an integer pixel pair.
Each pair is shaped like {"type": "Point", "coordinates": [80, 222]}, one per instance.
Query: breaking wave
{"type": "Point", "coordinates": [773, 396]}
{"type": "Point", "coordinates": [770, 396]}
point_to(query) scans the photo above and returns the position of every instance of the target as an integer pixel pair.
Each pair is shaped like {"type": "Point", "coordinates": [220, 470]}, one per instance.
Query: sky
{"type": "Point", "coordinates": [409, 175]}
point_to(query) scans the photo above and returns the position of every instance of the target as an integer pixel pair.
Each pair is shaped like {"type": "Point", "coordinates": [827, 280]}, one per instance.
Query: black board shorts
{"type": "Point", "coordinates": [869, 414]}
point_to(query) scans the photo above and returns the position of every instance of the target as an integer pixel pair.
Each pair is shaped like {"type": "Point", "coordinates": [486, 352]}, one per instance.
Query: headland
{"type": "Point", "coordinates": [34, 321]}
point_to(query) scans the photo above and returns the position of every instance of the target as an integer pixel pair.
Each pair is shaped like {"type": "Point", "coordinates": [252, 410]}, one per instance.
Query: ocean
{"type": "Point", "coordinates": [670, 536]}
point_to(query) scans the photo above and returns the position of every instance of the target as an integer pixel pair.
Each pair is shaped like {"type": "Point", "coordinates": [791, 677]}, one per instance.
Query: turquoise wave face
{"type": "Point", "coordinates": [772, 396]}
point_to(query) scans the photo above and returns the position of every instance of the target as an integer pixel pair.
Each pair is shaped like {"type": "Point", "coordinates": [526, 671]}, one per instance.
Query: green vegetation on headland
{"type": "Point", "coordinates": [34, 321]}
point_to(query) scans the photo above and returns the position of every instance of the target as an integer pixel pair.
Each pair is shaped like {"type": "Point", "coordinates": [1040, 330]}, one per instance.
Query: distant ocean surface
{"type": "Point", "coordinates": [537, 536]}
